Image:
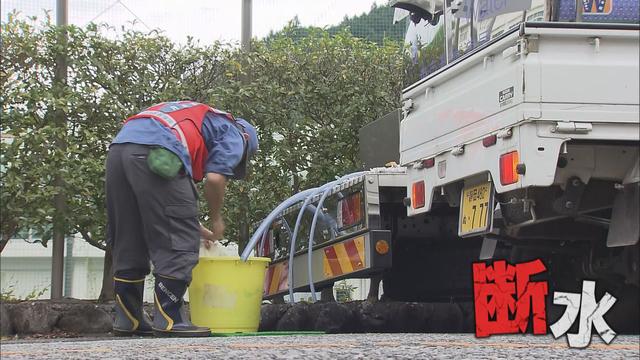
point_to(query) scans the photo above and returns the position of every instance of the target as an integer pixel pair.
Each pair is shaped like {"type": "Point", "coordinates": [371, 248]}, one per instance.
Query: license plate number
{"type": "Point", "coordinates": [476, 210]}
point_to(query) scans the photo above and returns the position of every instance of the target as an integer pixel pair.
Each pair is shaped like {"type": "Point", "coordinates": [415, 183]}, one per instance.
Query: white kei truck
{"type": "Point", "coordinates": [519, 139]}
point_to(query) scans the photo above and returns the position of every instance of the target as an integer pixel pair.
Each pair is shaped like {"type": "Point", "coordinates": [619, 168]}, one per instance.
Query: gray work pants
{"type": "Point", "coordinates": [149, 217]}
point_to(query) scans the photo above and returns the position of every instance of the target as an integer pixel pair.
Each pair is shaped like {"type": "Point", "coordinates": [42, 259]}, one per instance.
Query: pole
{"type": "Point", "coordinates": [246, 25]}
{"type": "Point", "coordinates": [245, 209]}
{"type": "Point", "coordinates": [62, 12]}
{"type": "Point", "coordinates": [59, 201]}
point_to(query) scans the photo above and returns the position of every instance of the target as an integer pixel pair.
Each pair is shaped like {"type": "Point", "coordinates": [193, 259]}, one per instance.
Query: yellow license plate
{"type": "Point", "coordinates": [476, 210]}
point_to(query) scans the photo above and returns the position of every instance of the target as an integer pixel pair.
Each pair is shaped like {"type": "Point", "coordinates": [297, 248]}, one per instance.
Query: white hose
{"type": "Point", "coordinates": [326, 219]}
{"type": "Point", "coordinates": [269, 219]}
{"type": "Point", "coordinates": [285, 223]}
{"type": "Point", "coordinates": [293, 238]}
{"type": "Point", "coordinates": [287, 228]}
{"type": "Point", "coordinates": [307, 195]}
{"type": "Point", "coordinates": [314, 222]}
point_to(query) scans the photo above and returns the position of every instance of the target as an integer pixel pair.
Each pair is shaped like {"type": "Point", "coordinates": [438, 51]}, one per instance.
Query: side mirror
{"type": "Point", "coordinates": [427, 10]}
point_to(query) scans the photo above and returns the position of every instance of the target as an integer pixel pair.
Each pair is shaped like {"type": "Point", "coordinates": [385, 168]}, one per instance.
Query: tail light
{"type": "Point", "coordinates": [508, 168]}
{"type": "Point", "coordinates": [428, 163]}
{"type": "Point", "coordinates": [417, 195]}
{"type": "Point", "coordinates": [350, 211]}
{"type": "Point", "coordinates": [489, 140]}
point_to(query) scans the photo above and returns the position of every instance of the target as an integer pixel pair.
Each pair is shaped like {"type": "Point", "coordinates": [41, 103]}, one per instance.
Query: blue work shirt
{"type": "Point", "coordinates": [224, 142]}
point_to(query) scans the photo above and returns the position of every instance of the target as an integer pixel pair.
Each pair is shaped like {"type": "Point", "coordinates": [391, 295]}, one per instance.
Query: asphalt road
{"type": "Point", "coordinates": [342, 346]}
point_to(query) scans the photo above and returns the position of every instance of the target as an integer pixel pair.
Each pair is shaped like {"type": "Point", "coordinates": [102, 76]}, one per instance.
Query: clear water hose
{"type": "Point", "coordinates": [269, 219]}
{"type": "Point", "coordinates": [306, 197]}
{"type": "Point", "coordinates": [296, 230]}
{"type": "Point", "coordinates": [315, 221]}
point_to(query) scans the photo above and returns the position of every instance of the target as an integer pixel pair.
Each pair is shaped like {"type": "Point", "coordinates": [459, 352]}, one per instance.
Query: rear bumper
{"type": "Point", "coordinates": [353, 257]}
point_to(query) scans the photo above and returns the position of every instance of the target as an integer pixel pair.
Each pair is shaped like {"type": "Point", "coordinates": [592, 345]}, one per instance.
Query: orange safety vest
{"type": "Point", "coordinates": [184, 119]}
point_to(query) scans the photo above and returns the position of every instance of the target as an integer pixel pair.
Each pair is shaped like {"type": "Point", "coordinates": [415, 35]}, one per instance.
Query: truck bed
{"type": "Point", "coordinates": [539, 72]}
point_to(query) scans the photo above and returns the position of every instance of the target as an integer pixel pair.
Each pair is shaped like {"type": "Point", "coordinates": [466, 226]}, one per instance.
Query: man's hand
{"type": "Point", "coordinates": [218, 228]}
{"type": "Point", "coordinates": [207, 236]}
{"type": "Point", "coordinates": [214, 187]}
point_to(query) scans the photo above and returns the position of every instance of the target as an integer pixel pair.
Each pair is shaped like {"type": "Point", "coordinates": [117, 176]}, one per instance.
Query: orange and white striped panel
{"type": "Point", "coordinates": [276, 278]}
{"type": "Point", "coordinates": [343, 258]}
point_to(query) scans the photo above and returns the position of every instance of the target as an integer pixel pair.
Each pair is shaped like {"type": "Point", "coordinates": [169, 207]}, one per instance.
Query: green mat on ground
{"type": "Point", "coordinates": [270, 333]}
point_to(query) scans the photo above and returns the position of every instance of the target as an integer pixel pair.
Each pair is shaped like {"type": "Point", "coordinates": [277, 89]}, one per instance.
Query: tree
{"type": "Point", "coordinates": [308, 98]}
{"type": "Point", "coordinates": [109, 79]}
{"type": "Point", "coordinates": [375, 26]}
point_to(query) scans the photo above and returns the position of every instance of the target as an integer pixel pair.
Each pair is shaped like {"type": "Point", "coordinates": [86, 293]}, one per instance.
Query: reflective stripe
{"type": "Point", "coordinates": [344, 258]}
{"type": "Point", "coordinates": [169, 122]}
{"type": "Point", "coordinates": [164, 314]}
{"type": "Point", "coordinates": [220, 112]}
{"type": "Point", "coordinates": [128, 280]}
{"type": "Point", "coordinates": [133, 320]}
{"type": "Point", "coordinates": [276, 278]}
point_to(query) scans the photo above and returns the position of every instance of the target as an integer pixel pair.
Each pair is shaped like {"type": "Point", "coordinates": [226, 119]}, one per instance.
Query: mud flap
{"type": "Point", "coordinates": [625, 228]}
{"type": "Point", "coordinates": [488, 248]}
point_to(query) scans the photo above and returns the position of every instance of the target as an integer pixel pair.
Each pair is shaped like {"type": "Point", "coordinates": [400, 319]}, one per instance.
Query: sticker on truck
{"type": "Point", "coordinates": [505, 97]}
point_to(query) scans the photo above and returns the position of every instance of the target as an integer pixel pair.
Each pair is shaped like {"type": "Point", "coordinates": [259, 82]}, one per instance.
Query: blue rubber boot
{"type": "Point", "coordinates": [169, 317]}
{"type": "Point", "coordinates": [130, 316]}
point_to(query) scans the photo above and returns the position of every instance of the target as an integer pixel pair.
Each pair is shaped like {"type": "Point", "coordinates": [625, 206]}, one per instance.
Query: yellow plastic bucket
{"type": "Point", "coordinates": [225, 293]}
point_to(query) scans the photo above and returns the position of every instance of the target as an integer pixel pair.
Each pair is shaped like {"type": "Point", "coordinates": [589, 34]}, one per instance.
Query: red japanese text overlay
{"type": "Point", "coordinates": [505, 298]}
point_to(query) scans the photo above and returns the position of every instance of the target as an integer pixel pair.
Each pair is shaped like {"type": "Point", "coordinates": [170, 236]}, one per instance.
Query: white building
{"type": "Point", "coordinates": [25, 272]}
{"type": "Point", "coordinates": [25, 269]}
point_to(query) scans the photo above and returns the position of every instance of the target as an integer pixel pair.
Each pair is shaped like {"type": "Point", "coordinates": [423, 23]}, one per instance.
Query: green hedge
{"type": "Point", "coordinates": [308, 99]}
